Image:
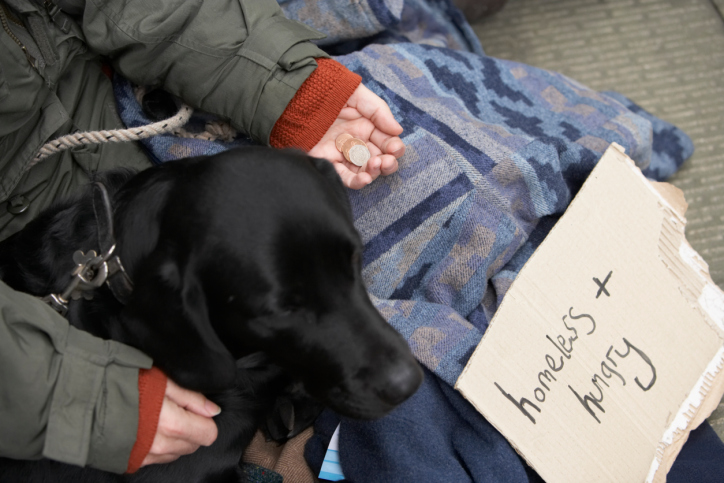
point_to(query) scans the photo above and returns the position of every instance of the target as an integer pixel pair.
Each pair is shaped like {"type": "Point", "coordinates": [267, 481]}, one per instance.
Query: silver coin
{"type": "Point", "coordinates": [359, 155]}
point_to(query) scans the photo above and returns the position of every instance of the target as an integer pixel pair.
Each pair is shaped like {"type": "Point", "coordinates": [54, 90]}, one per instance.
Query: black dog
{"type": "Point", "coordinates": [248, 251]}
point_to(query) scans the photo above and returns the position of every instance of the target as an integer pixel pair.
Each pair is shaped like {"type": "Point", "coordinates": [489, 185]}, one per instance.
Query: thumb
{"type": "Point", "coordinates": [191, 401]}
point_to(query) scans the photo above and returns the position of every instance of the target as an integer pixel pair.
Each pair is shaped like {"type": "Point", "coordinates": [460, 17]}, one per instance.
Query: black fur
{"type": "Point", "coordinates": [245, 252]}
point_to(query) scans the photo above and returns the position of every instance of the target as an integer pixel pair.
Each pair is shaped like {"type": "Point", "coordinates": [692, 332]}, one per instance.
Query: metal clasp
{"type": "Point", "coordinates": [91, 272]}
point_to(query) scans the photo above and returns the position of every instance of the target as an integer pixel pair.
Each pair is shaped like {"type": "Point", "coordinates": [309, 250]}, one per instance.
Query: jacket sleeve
{"type": "Point", "coordinates": [64, 394]}
{"type": "Point", "coordinates": [240, 59]}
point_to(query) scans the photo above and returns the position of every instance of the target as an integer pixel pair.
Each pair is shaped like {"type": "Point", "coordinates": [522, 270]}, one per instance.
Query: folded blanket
{"type": "Point", "coordinates": [495, 152]}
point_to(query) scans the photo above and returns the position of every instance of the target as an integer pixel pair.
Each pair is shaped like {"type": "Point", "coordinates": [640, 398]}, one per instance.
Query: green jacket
{"type": "Point", "coordinates": [64, 394]}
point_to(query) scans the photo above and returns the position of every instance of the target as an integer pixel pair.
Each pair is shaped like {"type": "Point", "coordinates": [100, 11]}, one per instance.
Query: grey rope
{"type": "Point", "coordinates": [113, 136]}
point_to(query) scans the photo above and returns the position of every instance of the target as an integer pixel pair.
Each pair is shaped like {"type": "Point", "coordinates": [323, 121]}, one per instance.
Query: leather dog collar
{"type": "Point", "coordinates": [92, 270]}
{"type": "Point", "coordinates": [118, 280]}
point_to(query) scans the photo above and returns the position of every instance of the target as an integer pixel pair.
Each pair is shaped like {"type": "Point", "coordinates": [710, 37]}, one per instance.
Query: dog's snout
{"type": "Point", "coordinates": [401, 382]}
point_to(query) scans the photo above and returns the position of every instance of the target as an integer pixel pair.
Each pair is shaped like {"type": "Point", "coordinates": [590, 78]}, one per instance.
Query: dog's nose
{"type": "Point", "coordinates": [401, 382]}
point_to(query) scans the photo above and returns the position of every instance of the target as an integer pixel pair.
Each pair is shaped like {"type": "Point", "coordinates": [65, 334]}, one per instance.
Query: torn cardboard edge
{"type": "Point", "coordinates": [701, 402]}
{"type": "Point", "coordinates": [709, 389]}
{"type": "Point", "coordinates": [695, 285]}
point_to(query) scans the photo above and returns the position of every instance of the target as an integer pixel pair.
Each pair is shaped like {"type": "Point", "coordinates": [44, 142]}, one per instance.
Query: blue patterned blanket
{"type": "Point", "coordinates": [495, 152]}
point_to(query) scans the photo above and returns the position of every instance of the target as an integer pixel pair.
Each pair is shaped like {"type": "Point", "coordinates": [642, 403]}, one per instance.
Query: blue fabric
{"type": "Point", "coordinates": [496, 150]}
{"type": "Point", "coordinates": [701, 460]}
{"type": "Point", "coordinates": [350, 25]}
{"type": "Point", "coordinates": [344, 20]}
{"type": "Point", "coordinates": [435, 436]}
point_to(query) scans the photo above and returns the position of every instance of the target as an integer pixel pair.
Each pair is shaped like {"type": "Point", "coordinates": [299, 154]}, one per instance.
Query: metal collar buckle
{"type": "Point", "coordinates": [92, 270]}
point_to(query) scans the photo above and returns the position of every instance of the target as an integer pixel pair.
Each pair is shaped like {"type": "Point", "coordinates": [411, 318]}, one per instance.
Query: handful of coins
{"type": "Point", "coordinates": [354, 150]}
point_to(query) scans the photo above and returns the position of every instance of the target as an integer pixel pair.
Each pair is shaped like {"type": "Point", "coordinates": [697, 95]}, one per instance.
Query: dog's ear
{"type": "Point", "coordinates": [167, 318]}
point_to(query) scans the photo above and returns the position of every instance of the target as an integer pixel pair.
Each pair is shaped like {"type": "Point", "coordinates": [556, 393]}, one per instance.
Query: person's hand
{"type": "Point", "coordinates": [367, 117]}
{"type": "Point", "coordinates": [184, 424]}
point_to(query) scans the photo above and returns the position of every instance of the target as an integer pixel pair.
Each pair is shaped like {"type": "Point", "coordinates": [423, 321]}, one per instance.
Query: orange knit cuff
{"type": "Point", "coordinates": [151, 391]}
{"type": "Point", "coordinates": [315, 106]}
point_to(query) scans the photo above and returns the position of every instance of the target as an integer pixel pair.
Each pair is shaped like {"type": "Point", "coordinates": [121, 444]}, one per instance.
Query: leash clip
{"type": "Point", "coordinates": [90, 272]}
{"type": "Point", "coordinates": [93, 270]}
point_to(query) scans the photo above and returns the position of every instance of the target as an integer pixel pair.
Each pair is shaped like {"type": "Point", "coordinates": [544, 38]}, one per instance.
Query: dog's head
{"type": "Point", "coordinates": [255, 250]}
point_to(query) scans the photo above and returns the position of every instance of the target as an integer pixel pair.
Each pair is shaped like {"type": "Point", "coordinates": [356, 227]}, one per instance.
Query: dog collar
{"type": "Point", "coordinates": [92, 270]}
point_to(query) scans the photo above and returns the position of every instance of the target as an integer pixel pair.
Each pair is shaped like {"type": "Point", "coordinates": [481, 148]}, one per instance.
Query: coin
{"type": "Point", "coordinates": [349, 144]}
{"type": "Point", "coordinates": [354, 150]}
{"type": "Point", "coordinates": [358, 155]}
{"type": "Point", "coordinates": [341, 139]}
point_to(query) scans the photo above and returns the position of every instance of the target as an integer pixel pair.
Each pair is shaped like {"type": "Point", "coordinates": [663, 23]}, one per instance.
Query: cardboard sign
{"type": "Point", "coordinates": [608, 347]}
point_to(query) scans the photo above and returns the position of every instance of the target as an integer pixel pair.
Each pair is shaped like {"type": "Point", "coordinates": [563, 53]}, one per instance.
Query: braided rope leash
{"type": "Point", "coordinates": [214, 130]}
{"type": "Point", "coordinates": [113, 136]}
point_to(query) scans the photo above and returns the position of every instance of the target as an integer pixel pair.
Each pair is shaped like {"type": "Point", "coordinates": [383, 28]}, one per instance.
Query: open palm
{"type": "Point", "coordinates": [367, 117]}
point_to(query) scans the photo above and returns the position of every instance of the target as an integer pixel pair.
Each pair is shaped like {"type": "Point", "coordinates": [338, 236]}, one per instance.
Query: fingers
{"type": "Point", "coordinates": [385, 130]}
{"type": "Point", "coordinates": [185, 428]}
{"type": "Point", "coordinates": [184, 425]}
{"type": "Point", "coordinates": [351, 179]}
{"type": "Point", "coordinates": [387, 144]}
{"type": "Point", "coordinates": [377, 165]}
{"type": "Point", "coordinates": [179, 433]}
{"type": "Point", "coordinates": [151, 459]}
{"type": "Point", "coordinates": [368, 117]}
{"type": "Point", "coordinates": [388, 163]}
{"type": "Point", "coordinates": [191, 401]}
{"type": "Point", "coordinates": [371, 106]}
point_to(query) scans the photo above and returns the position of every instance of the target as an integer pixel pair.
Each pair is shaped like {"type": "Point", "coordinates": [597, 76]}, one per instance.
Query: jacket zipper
{"type": "Point", "coordinates": [4, 14]}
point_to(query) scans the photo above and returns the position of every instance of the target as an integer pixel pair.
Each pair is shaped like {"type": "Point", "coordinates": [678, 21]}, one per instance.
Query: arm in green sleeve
{"type": "Point", "coordinates": [240, 59]}
{"type": "Point", "coordinates": [65, 394]}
